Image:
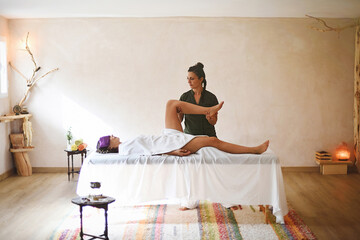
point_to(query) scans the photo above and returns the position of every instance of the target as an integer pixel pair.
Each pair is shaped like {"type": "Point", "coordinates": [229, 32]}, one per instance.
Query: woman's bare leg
{"type": "Point", "coordinates": [172, 121]}
{"type": "Point", "coordinates": [171, 118]}
{"type": "Point", "coordinates": [200, 142]}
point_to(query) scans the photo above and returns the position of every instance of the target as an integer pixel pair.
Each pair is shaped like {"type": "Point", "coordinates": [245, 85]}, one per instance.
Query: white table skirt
{"type": "Point", "coordinates": [210, 174]}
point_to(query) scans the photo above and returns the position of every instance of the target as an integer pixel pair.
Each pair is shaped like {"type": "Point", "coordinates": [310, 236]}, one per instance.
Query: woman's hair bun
{"type": "Point", "coordinates": [199, 64]}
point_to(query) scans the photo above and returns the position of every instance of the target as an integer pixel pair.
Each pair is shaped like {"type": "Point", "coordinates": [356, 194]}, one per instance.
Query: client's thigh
{"type": "Point", "coordinates": [199, 142]}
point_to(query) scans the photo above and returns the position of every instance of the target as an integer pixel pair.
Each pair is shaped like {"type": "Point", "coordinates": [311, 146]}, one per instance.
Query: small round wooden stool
{"type": "Point", "coordinates": [103, 203]}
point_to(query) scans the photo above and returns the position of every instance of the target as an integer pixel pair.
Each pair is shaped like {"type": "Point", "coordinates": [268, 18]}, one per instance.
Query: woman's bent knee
{"type": "Point", "coordinates": [171, 103]}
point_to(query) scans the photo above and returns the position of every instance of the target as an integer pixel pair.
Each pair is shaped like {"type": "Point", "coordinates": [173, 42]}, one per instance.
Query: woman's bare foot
{"type": "Point", "coordinates": [262, 148]}
{"type": "Point", "coordinates": [213, 110]}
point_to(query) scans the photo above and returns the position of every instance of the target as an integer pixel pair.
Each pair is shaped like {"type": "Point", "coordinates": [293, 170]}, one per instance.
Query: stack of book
{"type": "Point", "coordinates": [323, 155]}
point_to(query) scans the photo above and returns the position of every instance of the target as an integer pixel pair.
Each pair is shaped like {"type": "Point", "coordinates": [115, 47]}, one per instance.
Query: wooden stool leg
{"type": "Point", "coordinates": [81, 224]}
{"type": "Point", "coordinates": [68, 158]}
{"type": "Point", "coordinates": [265, 209]}
{"type": "Point", "coordinates": [72, 166]}
{"type": "Point", "coordinates": [106, 223]}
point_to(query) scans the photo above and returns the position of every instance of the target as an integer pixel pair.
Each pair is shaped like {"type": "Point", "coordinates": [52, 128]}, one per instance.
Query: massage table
{"type": "Point", "coordinates": [209, 174]}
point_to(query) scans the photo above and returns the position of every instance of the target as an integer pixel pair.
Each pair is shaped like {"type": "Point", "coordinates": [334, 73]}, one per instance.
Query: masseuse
{"type": "Point", "coordinates": [198, 124]}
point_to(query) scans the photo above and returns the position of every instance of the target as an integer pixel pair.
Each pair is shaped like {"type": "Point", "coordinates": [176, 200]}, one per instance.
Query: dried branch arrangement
{"type": "Point", "coordinates": [328, 28]}
{"type": "Point", "coordinates": [30, 82]}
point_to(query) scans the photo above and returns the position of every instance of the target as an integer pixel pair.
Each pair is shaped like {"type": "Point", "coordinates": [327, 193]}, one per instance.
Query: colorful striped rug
{"type": "Point", "coordinates": [208, 221]}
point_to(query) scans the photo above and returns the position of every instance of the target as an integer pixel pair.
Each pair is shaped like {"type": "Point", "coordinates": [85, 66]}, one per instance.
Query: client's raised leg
{"type": "Point", "coordinates": [200, 142]}
{"type": "Point", "coordinates": [171, 119]}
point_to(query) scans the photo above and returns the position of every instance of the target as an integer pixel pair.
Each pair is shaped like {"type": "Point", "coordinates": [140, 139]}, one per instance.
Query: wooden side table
{"type": "Point", "coordinates": [103, 203]}
{"type": "Point", "coordinates": [71, 154]}
{"type": "Point", "coordinates": [333, 167]}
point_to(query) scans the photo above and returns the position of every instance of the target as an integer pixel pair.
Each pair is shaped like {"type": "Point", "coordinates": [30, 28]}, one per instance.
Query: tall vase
{"type": "Point", "coordinates": [68, 145]}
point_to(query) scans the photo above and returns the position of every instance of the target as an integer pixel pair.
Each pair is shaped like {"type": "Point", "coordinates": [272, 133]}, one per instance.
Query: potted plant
{"type": "Point", "coordinates": [69, 138]}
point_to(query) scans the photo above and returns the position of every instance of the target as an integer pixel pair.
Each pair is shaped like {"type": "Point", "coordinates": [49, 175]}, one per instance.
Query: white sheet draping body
{"type": "Point", "coordinates": [210, 174]}
{"type": "Point", "coordinates": [168, 141]}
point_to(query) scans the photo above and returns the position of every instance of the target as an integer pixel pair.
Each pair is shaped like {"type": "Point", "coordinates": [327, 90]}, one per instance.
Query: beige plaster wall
{"type": "Point", "coordinates": [5, 157]}
{"type": "Point", "coordinates": [279, 79]}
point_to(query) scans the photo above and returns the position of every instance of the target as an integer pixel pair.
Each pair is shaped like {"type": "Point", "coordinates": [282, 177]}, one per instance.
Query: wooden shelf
{"type": "Point", "coordinates": [25, 149]}
{"type": "Point", "coordinates": [12, 117]}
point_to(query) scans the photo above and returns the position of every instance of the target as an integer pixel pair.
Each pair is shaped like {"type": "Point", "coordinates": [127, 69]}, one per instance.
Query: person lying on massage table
{"type": "Point", "coordinates": [174, 141]}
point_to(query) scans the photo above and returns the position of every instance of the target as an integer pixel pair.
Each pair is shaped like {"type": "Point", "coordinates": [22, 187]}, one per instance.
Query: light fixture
{"type": "Point", "coordinates": [342, 152]}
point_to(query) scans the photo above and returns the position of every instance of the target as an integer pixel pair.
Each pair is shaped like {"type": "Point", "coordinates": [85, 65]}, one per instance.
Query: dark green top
{"type": "Point", "coordinates": [196, 124]}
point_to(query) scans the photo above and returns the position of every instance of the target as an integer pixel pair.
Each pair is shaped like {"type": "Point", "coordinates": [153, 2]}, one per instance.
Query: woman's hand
{"type": "Point", "coordinates": [180, 152]}
{"type": "Point", "coordinates": [211, 119]}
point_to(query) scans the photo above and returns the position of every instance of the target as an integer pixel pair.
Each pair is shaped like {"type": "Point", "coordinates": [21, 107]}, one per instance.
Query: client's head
{"type": "Point", "coordinates": [108, 144]}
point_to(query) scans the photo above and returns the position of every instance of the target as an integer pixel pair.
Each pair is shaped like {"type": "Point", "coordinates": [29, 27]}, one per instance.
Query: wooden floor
{"type": "Point", "coordinates": [32, 207]}
{"type": "Point", "coordinates": [328, 204]}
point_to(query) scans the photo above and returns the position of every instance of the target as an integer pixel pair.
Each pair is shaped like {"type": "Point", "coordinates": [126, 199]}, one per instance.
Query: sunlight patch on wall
{"type": "Point", "coordinates": [83, 123]}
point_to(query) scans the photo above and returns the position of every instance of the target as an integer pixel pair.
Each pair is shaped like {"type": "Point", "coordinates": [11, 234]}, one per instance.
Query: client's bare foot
{"type": "Point", "coordinates": [262, 148]}
{"type": "Point", "coordinates": [213, 110]}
